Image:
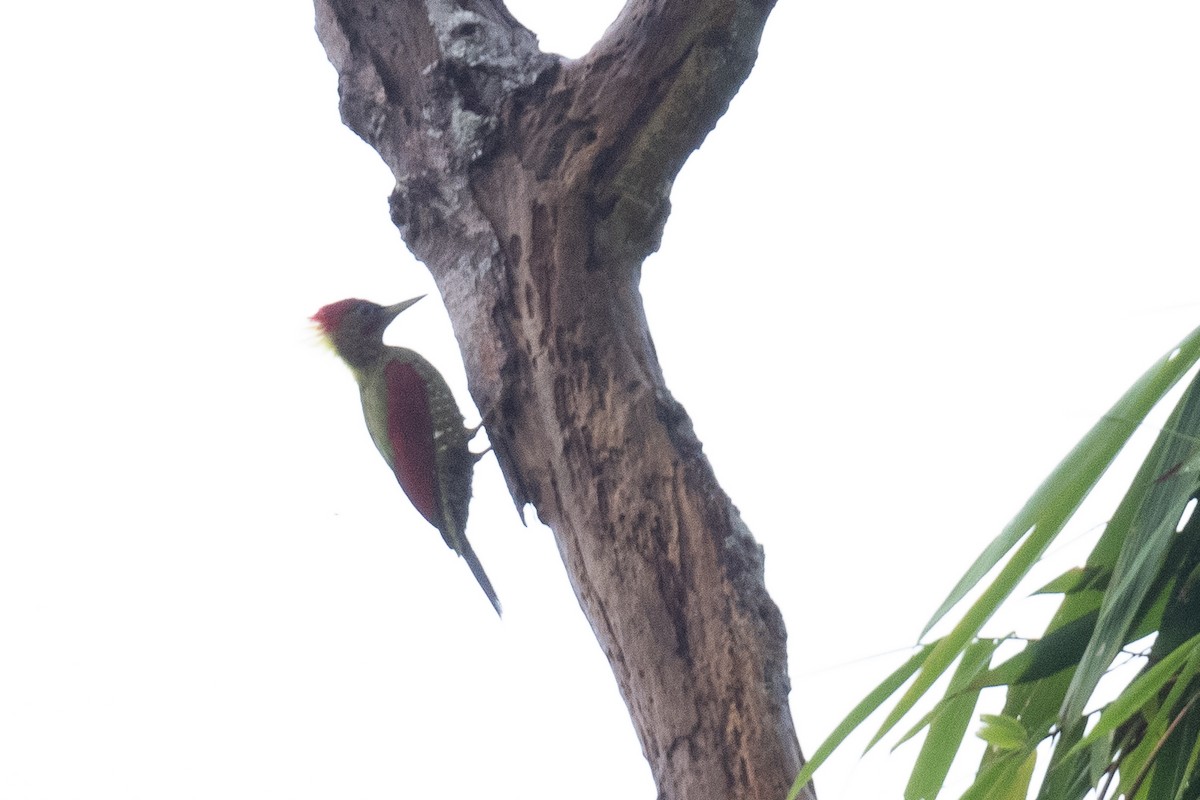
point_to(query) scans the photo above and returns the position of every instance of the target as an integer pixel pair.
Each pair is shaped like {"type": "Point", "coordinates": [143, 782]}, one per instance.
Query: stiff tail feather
{"type": "Point", "coordinates": [480, 576]}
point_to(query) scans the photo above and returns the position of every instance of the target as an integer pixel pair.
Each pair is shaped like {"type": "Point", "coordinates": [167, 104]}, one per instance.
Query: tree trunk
{"type": "Point", "coordinates": [533, 187]}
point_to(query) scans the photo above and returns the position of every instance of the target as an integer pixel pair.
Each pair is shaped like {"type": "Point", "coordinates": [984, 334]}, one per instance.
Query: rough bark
{"type": "Point", "coordinates": [533, 187]}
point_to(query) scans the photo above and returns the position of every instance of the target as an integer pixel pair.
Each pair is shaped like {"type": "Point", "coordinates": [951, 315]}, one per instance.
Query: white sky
{"type": "Point", "coordinates": [927, 247]}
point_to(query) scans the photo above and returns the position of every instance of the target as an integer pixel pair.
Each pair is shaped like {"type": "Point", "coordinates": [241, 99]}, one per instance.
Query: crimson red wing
{"type": "Point", "coordinates": [410, 432]}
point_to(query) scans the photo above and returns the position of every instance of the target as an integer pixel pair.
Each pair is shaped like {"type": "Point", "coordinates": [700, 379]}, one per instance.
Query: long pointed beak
{"type": "Point", "coordinates": [391, 312]}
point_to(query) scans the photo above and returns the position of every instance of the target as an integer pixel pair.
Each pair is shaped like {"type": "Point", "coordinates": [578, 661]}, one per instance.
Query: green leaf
{"type": "Point", "coordinates": [949, 725]}
{"type": "Point", "coordinates": [1054, 652]}
{"type": "Point", "coordinates": [1162, 750]}
{"type": "Point", "coordinates": [858, 715]}
{"type": "Point", "coordinates": [971, 674]}
{"type": "Point", "coordinates": [1067, 778]}
{"type": "Point", "coordinates": [1019, 788]}
{"type": "Point", "coordinates": [1170, 777]}
{"type": "Point", "coordinates": [1137, 762]}
{"type": "Point", "coordinates": [1099, 757]}
{"type": "Point", "coordinates": [1042, 519]}
{"type": "Point", "coordinates": [1071, 481]}
{"type": "Point", "coordinates": [1142, 691]}
{"type": "Point", "coordinates": [1038, 678]}
{"type": "Point", "coordinates": [1003, 733]}
{"type": "Point", "coordinates": [948, 648]}
{"type": "Point", "coordinates": [1165, 767]}
{"type": "Point", "coordinates": [1007, 778]}
{"type": "Point", "coordinates": [1190, 769]}
{"type": "Point", "coordinates": [1169, 708]}
{"type": "Point", "coordinates": [1148, 514]}
{"type": "Point", "coordinates": [1077, 579]}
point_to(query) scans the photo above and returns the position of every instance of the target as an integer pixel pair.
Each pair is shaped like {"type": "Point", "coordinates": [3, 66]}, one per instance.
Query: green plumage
{"type": "Point", "coordinates": [413, 420]}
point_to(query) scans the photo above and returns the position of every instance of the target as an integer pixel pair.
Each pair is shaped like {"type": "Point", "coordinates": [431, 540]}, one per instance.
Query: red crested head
{"type": "Point", "coordinates": [330, 318]}
{"type": "Point", "coordinates": [355, 327]}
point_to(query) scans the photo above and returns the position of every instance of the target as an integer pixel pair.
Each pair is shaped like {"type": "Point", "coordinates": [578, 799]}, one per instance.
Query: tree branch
{"type": "Point", "coordinates": [533, 187]}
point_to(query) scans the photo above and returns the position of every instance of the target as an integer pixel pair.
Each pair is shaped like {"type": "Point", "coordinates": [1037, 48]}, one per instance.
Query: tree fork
{"type": "Point", "coordinates": [533, 187]}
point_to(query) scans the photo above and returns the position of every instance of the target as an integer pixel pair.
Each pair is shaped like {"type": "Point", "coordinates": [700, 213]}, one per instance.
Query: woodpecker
{"type": "Point", "coordinates": [412, 418]}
